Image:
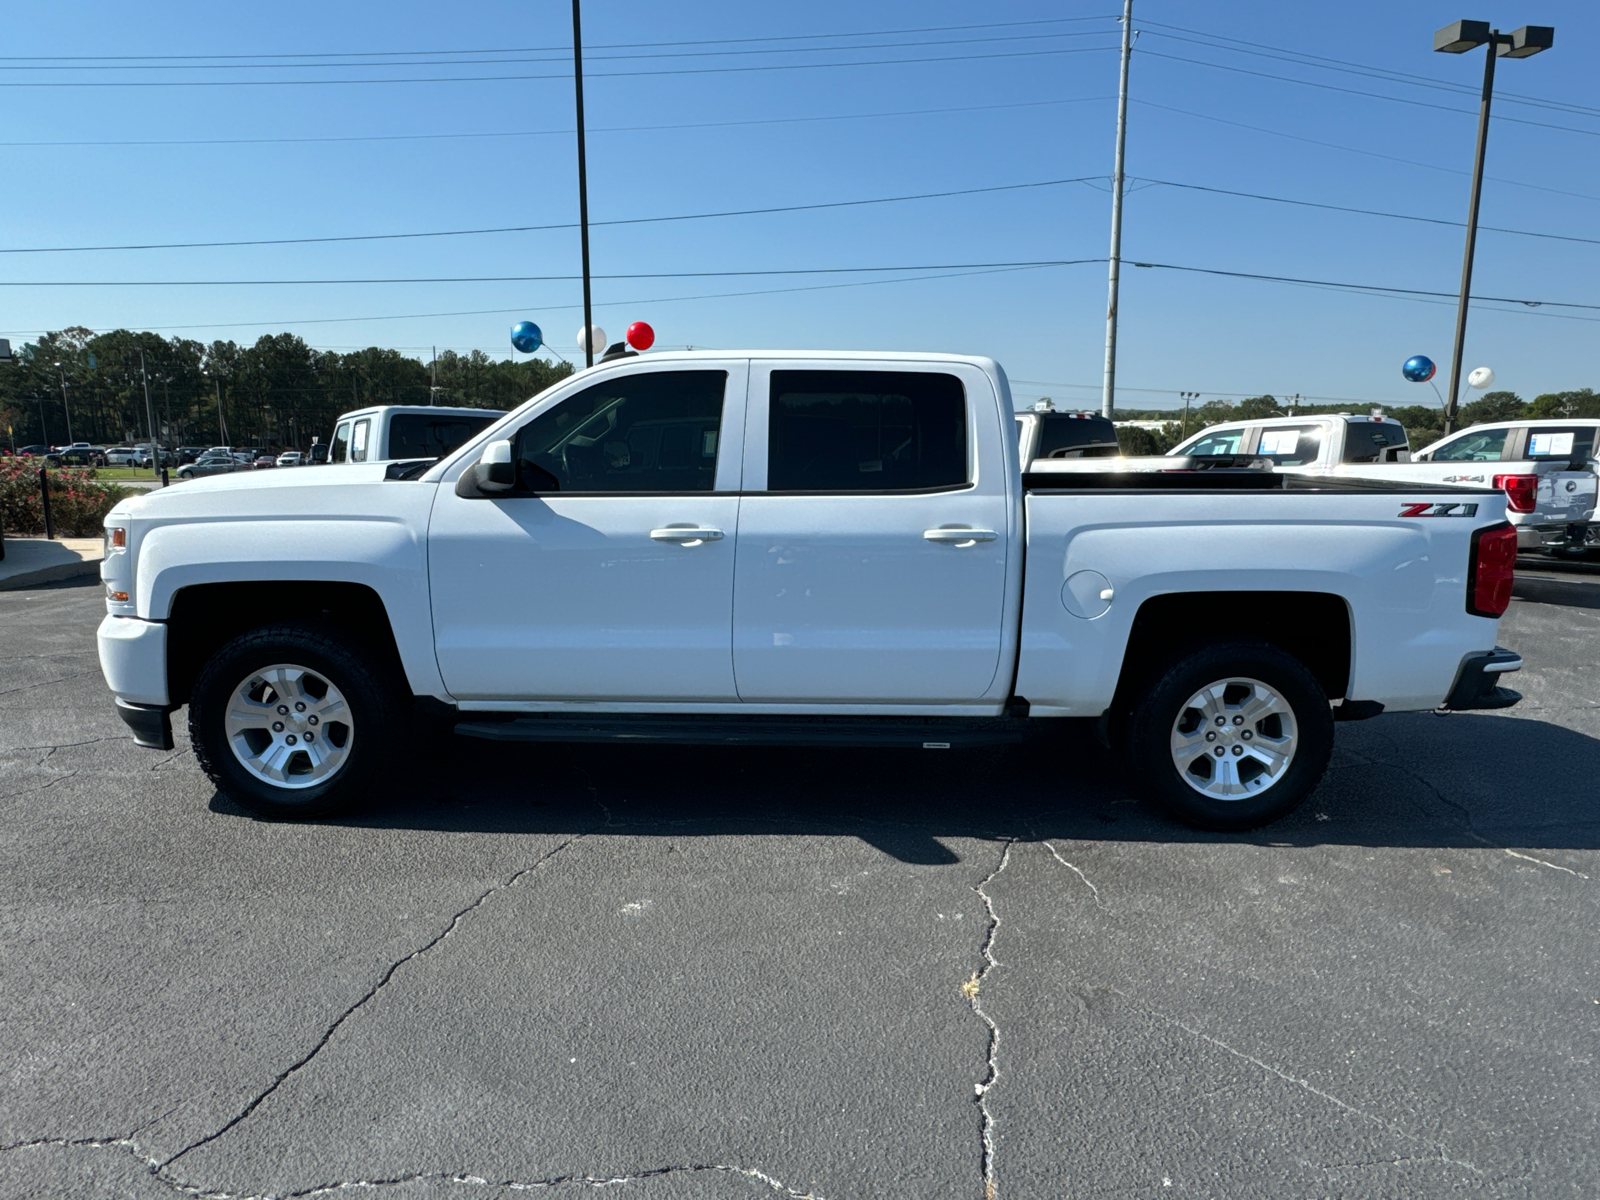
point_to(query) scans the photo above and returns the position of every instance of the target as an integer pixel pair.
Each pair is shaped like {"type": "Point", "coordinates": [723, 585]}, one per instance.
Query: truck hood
{"type": "Point", "coordinates": [257, 493]}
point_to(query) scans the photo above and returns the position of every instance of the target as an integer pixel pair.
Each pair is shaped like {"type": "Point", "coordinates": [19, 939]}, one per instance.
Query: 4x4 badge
{"type": "Point", "coordinates": [1425, 508]}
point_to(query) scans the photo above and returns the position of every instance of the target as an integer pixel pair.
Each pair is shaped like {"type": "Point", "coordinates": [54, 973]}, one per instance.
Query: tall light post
{"type": "Point", "coordinates": [62, 371]}
{"type": "Point", "coordinates": [1188, 398]}
{"type": "Point", "coordinates": [583, 185]}
{"type": "Point", "coordinates": [1458, 39]}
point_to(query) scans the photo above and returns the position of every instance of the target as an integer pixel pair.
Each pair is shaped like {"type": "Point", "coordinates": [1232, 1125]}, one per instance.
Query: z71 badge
{"type": "Point", "coordinates": [1425, 508]}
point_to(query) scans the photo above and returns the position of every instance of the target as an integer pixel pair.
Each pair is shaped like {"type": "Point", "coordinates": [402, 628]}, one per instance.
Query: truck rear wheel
{"type": "Point", "coordinates": [294, 721]}
{"type": "Point", "coordinates": [1232, 737]}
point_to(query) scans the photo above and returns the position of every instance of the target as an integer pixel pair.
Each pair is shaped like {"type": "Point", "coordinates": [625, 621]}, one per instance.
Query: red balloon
{"type": "Point", "coordinates": [641, 336]}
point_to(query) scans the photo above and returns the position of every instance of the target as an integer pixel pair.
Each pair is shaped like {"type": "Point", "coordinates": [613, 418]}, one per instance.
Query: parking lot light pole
{"type": "Point", "coordinates": [1458, 39]}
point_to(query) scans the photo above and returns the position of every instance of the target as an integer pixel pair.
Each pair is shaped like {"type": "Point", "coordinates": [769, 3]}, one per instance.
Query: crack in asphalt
{"type": "Point", "coordinates": [156, 1170]}
{"type": "Point", "coordinates": [27, 790]}
{"type": "Point", "coordinates": [1054, 853]}
{"type": "Point", "coordinates": [47, 682]}
{"type": "Point", "coordinates": [971, 990]}
{"type": "Point", "coordinates": [383, 981]}
{"type": "Point", "coordinates": [1441, 1154]}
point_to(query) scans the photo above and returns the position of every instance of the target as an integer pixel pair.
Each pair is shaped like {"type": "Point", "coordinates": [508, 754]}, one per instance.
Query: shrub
{"type": "Point", "coordinates": [78, 502]}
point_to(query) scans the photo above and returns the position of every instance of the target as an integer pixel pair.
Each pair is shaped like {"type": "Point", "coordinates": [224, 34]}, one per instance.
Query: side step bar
{"type": "Point", "coordinates": [945, 733]}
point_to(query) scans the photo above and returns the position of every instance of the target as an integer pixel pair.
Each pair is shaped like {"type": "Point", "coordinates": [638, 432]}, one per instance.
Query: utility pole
{"type": "Point", "coordinates": [65, 410]}
{"type": "Point", "coordinates": [150, 417]}
{"type": "Point", "coordinates": [433, 389]}
{"type": "Point", "coordinates": [1108, 398]}
{"type": "Point", "coordinates": [1187, 397]}
{"type": "Point", "coordinates": [583, 184]}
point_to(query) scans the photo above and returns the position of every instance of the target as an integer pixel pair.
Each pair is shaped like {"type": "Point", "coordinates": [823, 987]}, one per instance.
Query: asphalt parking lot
{"type": "Point", "coordinates": [845, 974]}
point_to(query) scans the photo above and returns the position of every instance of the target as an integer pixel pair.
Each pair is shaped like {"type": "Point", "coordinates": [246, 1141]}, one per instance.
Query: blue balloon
{"type": "Point", "coordinates": [526, 337]}
{"type": "Point", "coordinates": [1418, 369]}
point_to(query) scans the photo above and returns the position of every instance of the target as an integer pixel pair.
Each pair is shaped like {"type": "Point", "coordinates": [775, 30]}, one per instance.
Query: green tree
{"type": "Point", "coordinates": [1259, 406]}
{"type": "Point", "coordinates": [1581, 403]}
{"type": "Point", "coordinates": [1493, 406]}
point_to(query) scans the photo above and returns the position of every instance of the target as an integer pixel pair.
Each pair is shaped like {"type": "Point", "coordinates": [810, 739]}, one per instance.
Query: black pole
{"type": "Point", "coordinates": [1472, 232]}
{"type": "Point", "coordinates": [44, 503]}
{"type": "Point", "coordinates": [583, 184]}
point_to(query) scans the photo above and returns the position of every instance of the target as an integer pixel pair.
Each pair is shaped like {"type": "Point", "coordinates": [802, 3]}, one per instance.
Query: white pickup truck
{"type": "Point", "coordinates": [1545, 468]}
{"type": "Point", "coordinates": [794, 548]}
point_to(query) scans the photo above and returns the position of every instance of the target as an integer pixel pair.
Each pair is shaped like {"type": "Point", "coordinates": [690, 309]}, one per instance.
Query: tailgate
{"type": "Point", "coordinates": [1566, 495]}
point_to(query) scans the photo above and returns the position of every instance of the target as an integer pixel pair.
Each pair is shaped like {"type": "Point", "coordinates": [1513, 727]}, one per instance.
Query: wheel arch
{"type": "Point", "coordinates": [1314, 627]}
{"type": "Point", "coordinates": [206, 616]}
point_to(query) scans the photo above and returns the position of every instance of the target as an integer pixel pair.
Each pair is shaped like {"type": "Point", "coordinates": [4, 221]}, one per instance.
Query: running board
{"type": "Point", "coordinates": [946, 733]}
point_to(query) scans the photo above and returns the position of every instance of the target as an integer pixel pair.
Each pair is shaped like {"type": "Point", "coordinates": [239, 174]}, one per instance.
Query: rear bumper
{"type": "Point", "coordinates": [1477, 682]}
{"type": "Point", "coordinates": [1555, 535]}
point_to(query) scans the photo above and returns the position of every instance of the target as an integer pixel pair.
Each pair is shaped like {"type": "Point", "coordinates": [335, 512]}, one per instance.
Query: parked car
{"type": "Point", "coordinates": [211, 463]}
{"type": "Point", "coordinates": [1046, 433]}
{"type": "Point", "coordinates": [33, 451]}
{"type": "Point", "coordinates": [266, 459]}
{"type": "Point", "coordinates": [570, 574]}
{"type": "Point", "coordinates": [396, 432]}
{"type": "Point", "coordinates": [1546, 468]}
{"type": "Point", "coordinates": [290, 458]}
{"type": "Point", "coordinates": [79, 454]}
{"type": "Point", "coordinates": [318, 453]}
{"type": "Point", "coordinates": [122, 456]}
{"type": "Point", "coordinates": [188, 454]}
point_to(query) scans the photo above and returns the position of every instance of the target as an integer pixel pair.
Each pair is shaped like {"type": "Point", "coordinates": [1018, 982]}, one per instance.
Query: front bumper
{"type": "Point", "coordinates": [1477, 682]}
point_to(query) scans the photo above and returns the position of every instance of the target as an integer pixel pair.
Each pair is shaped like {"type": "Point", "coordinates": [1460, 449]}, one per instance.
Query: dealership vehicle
{"type": "Point", "coordinates": [1547, 468]}
{"type": "Point", "coordinates": [121, 456]}
{"type": "Point", "coordinates": [397, 432]}
{"type": "Point", "coordinates": [290, 458]}
{"type": "Point", "coordinates": [265, 459]}
{"type": "Point", "coordinates": [188, 454]}
{"type": "Point", "coordinates": [212, 462]}
{"type": "Point", "coordinates": [33, 451]}
{"type": "Point", "coordinates": [78, 454]}
{"type": "Point", "coordinates": [1045, 433]}
{"type": "Point", "coordinates": [795, 548]}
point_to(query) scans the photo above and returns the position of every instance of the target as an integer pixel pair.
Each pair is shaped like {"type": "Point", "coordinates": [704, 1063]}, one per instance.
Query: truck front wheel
{"type": "Point", "coordinates": [1232, 737]}
{"type": "Point", "coordinates": [293, 721]}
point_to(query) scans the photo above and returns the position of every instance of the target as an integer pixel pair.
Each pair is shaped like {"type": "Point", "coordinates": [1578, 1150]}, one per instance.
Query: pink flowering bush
{"type": "Point", "coordinates": [78, 502]}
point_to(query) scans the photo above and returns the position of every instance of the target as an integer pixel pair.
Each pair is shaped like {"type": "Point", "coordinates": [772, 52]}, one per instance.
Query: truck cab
{"type": "Point", "coordinates": [397, 432]}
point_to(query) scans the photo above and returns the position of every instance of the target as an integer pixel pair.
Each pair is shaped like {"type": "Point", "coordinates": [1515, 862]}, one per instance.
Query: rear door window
{"type": "Point", "coordinates": [867, 431]}
{"type": "Point", "coordinates": [340, 450]}
{"type": "Point", "coordinates": [425, 435]}
{"type": "Point", "coordinates": [1372, 441]}
{"type": "Point", "coordinates": [1290, 445]}
{"type": "Point", "coordinates": [1560, 445]}
{"type": "Point", "coordinates": [1475, 445]}
{"type": "Point", "coordinates": [1219, 441]}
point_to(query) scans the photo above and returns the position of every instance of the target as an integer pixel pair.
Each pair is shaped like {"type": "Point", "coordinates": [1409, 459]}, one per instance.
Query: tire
{"type": "Point", "coordinates": [297, 720]}
{"type": "Point", "coordinates": [1275, 734]}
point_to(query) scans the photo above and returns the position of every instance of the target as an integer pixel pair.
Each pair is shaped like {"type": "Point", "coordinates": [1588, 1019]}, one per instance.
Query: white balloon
{"type": "Point", "coordinates": [1480, 377]}
{"type": "Point", "coordinates": [596, 338]}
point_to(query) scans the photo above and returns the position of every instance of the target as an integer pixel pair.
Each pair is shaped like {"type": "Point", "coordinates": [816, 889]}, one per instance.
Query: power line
{"type": "Point", "coordinates": [380, 237]}
{"type": "Point", "coordinates": [1327, 87]}
{"type": "Point", "coordinates": [437, 61]}
{"type": "Point", "coordinates": [1302, 58]}
{"type": "Point", "coordinates": [416, 137]}
{"type": "Point", "coordinates": [796, 37]}
{"type": "Point", "coordinates": [215, 83]}
{"type": "Point", "coordinates": [1410, 162]}
{"type": "Point", "coordinates": [1368, 212]}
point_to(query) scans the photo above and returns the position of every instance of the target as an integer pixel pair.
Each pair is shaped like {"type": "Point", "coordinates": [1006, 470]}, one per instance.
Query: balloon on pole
{"type": "Point", "coordinates": [1419, 368]}
{"type": "Point", "coordinates": [526, 337]}
{"type": "Point", "coordinates": [591, 339]}
{"type": "Point", "coordinates": [641, 336]}
{"type": "Point", "coordinates": [1480, 377]}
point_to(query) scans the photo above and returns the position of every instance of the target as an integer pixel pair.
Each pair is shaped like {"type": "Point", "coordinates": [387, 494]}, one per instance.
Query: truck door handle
{"type": "Point", "coordinates": [961, 537]}
{"type": "Point", "coordinates": [689, 535]}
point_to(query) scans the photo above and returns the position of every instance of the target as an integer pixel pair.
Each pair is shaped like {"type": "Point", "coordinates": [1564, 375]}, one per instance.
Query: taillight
{"type": "Point", "coordinates": [1489, 572]}
{"type": "Point", "coordinates": [1521, 491]}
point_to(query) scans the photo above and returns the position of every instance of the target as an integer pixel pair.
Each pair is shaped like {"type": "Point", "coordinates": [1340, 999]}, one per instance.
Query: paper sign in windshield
{"type": "Point", "coordinates": [1280, 441]}
{"type": "Point", "coordinates": [1541, 444]}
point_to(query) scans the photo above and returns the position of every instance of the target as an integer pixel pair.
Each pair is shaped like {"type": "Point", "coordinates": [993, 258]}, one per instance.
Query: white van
{"type": "Point", "coordinates": [390, 432]}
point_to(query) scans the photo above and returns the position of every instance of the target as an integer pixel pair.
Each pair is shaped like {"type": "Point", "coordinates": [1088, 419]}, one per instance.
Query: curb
{"type": "Point", "coordinates": [54, 574]}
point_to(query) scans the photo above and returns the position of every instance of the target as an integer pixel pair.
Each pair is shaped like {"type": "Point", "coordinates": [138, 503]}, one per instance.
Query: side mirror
{"type": "Point", "coordinates": [495, 470]}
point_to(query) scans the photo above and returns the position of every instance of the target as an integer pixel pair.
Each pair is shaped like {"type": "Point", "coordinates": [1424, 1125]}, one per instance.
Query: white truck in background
{"type": "Point", "coordinates": [1545, 468]}
{"type": "Point", "coordinates": [794, 548]}
{"type": "Point", "coordinates": [401, 432]}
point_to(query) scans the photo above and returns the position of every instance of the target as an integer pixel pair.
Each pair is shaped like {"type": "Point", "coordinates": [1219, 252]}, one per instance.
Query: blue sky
{"type": "Point", "coordinates": [1029, 98]}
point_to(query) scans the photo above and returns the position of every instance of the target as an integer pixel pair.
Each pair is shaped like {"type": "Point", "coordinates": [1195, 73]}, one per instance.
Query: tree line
{"type": "Point", "coordinates": [278, 393]}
